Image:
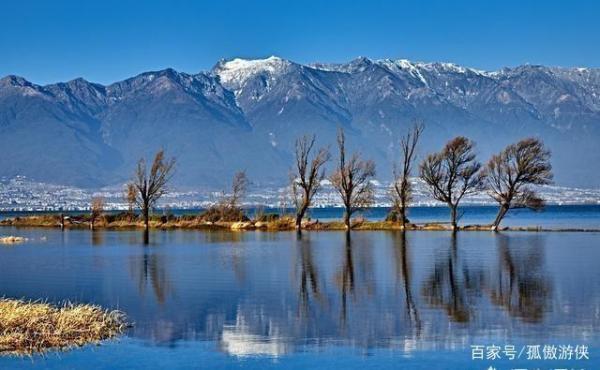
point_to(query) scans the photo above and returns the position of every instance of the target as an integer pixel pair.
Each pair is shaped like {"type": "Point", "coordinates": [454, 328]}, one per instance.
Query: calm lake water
{"type": "Point", "coordinates": [259, 300]}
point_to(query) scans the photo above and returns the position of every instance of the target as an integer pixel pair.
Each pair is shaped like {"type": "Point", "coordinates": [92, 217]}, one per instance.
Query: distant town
{"type": "Point", "coordinates": [21, 194]}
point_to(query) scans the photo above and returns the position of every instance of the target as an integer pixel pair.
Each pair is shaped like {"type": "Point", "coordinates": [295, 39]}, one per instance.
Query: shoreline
{"type": "Point", "coordinates": [189, 222]}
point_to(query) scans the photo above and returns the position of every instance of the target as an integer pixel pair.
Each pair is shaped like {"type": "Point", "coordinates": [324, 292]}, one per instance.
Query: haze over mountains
{"type": "Point", "coordinates": [246, 114]}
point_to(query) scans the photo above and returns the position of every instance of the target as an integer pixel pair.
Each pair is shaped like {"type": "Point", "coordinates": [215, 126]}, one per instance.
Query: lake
{"type": "Point", "coordinates": [254, 300]}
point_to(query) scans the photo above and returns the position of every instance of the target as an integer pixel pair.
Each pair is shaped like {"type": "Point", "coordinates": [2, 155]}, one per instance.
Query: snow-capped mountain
{"type": "Point", "coordinates": [245, 114]}
{"type": "Point", "coordinates": [234, 73]}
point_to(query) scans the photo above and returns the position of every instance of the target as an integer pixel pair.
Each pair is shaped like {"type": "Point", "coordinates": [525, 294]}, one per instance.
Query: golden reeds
{"type": "Point", "coordinates": [31, 327]}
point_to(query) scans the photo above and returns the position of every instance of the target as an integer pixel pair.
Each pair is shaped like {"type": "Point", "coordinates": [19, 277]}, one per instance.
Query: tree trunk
{"type": "Point", "coordinates": [298, 221]}
{"type": "Point", "coordinates": [453, 216]}
{"type": "Point", "coordinates": [402, 215]}
{"type": "Point", "coordinates": [146, 214]}
{"type": "Point", "coordinates": [300, 215]}
{"type": "Point", "coordinates": [347, 218]}
{"type": "Point", "coordinates": [501, 213]}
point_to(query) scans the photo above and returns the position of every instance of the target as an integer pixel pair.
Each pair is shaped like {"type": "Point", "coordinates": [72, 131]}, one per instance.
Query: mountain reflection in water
{"type": "Point", "coordinates": [258, 293]}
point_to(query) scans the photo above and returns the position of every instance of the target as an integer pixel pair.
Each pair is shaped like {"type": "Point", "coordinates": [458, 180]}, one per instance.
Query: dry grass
{"type": "Point", "coordinates": [34, 327]}
{"type": "Point", "coordinates": [377, 225]}
{"type": "Point", "coordinates": [39, 221]}
{"type": "Point", "coordinates": [286, 223]}
{"type": "Point", "coordinates": [283, 224]}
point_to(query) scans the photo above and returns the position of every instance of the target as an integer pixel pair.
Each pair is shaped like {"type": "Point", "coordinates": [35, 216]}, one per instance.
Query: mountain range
{"type": "Point", "coordinates": [246, 114]}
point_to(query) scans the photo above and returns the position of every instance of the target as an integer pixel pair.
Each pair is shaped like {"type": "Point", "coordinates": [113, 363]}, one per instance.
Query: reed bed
{"type": "Point", "coordinates": [28, 327]}
{"type": "Point", "coordinates": [285, 223]}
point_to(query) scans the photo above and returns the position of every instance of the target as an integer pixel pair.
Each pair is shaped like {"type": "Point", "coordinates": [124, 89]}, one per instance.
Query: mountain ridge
{"type": "Point", "coordinates": [246, 113]}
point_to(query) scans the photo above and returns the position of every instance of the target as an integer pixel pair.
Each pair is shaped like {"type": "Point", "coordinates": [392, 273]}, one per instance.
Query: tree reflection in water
{"type": "Point", "coordinates": [448, 285]}
{"type": "Point", "coordinates": [149, 269]}
{"type": "Point", "coordinates": [361, 306]}
{"type": "Point", "coordinates": [521, 286]}
{"type": "Point", "coordinates": [309, 277]}
{"type": "Point", "coordinates": [403, 273]}
{"type": "Point", "coordinates": [97, 237]}
{"type": "Point", "coordinates": [345, 279]}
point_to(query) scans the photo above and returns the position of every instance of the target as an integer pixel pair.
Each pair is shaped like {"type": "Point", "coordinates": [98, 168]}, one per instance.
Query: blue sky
{"type": "Point", "coordinates": [105, 41]}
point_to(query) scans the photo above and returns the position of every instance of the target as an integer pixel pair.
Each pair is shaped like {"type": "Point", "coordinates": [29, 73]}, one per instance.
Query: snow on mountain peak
{"type": "Point", "coordinates": [444, 67]}
{"type": "Point", "coordinates": [359, 64]}
{"type": "Point", "coordinates": [403, 65]}
{"type": "Point", "coordinates": [235, 71]}
{"type": "Point", "coordinates": [415, 69]}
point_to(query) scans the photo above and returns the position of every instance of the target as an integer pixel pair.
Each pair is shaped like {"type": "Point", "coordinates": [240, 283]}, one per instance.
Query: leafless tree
{"type": "Point", "coordinates": [351, 179]}
{"type": "Point", "coordinates": [284, 201]}
{"type": "Point", "coordinates": [511, 172]}
{"type": "Point", "coordinates": [453, 173]}
{"type": "Point", "coordinates": [96, 210]}
{"type": "Point", "coordinates": [151, 185]}
{"type": "Point", "coordinates": [130, 198]}
{"type": "Point", "coordinates": [307, 176]}
{"type": "Point", "coordinates": [401, 190]}
{"type": "Point", "coordinates": [227, 207]}
{"type": "Point", "coordinates": [239, 187]}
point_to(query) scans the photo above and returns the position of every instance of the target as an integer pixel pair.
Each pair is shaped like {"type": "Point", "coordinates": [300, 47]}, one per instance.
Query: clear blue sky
{"type": "Point", "coordinates": [105, 41]}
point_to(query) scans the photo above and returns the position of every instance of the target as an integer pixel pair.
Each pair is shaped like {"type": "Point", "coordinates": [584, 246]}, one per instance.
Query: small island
{"type": "Point", "coordinates": [267, 222]}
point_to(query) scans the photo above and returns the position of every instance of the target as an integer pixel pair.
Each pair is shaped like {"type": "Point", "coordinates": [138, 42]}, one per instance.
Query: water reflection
{"type": "Point", "coordinates": [223, 236]}
{"type": "Point", "coordinates": [149, 270]}
{"type": "Point", "coordinates": [272, 293]}
{"type": "Point", "coordinates": [97, 237]}
{"type": "Point", "coordinates": [252, 336]}
{"type": "Point", "coordinates": [345, 279]}
{"type": "Point", "coordinates": [448, 283]}
{"type": "Point", "coordinates": [521, 285]}
{"type": "Point", "coordinates": [309, 276]}
{"type": "Point", "coordinates": [403, 273]}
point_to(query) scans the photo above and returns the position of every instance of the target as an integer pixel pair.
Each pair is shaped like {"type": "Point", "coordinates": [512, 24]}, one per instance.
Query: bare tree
{"type": "Point", "coordinates": [96, 210]}
{"type": "Point", "coordinates": [239, 187]}
{"type": "Point", "coordinates": [284, 201]}
{"type": "Point", "coordinates": [307, 176]}
{"type": "Point", "coordinates": [150, 186]}
{"type": "Point", "coordinates": [453, 173]}
{"type": "Point", "coordinates": [351, 179]}
{"type": "Point", "coordinates": [227, 207]}
{"type": "Point", "coordinates": [511, 172]}
{"type": "Point", "coordinates": [401, 190]}
{"type": "Point", "coordinates": [130, 198]}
